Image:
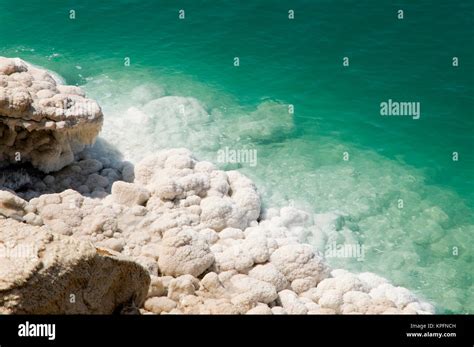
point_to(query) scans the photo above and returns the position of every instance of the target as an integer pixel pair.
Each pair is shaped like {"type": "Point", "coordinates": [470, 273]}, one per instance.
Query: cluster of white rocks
{"type": "Point", "coordinates": [199, 234]}
{"type": "Point", "coordinates": [206, 244]}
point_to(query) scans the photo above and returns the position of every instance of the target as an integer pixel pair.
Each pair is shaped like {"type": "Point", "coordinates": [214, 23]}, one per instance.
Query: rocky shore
{"type": "Point", "coordinates": [83, 231]}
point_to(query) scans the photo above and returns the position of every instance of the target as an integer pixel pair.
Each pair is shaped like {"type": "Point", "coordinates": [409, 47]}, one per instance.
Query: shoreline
{"type": "Point", "coordinates": [198, 232]}
{"type": "Point", "coordinates": [135, 219]}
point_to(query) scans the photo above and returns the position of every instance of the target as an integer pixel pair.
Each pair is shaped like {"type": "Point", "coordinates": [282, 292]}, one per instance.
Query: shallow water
{"type": "Point", "coordinates": [426, 245]}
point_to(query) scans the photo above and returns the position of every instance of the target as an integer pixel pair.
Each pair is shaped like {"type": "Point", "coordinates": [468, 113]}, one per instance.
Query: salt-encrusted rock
{"type": "Point", "coordinates": [343, 283]}
{"type": "Point", "coordinates": [159, 304]}
{"type": "Point", "coordinates": [219, 306]}
{"type": "Point", "coordinates": [11, 205]}
{"type": "Point", "coordinates": [182, 219]}
{"type": "Point", "coordinates": [291, 303]}
{"type": "Point", "coordinates": [242, 254]}
{"type": "Point", "coordinates": [157, 287]}
{"type": "Point", "coordinates": [89, 166]}
{"type": "Point", "coordinates": [259, 247]}
{"type": "Point", "coordinates": [331, 299]}
{"type": "Point", "coordinates": [418, 307]}
{"type": "Point", "coordinates": [301, 285]}
{"type": "Point", "coordinates": [211, 286]}
{"type": "Point", "coordinates": [182, 286]}
{"type": "Point", "coordinates": [33, 219]}
{"type": "Point", "coordinates": [209, 235]}
{"type": "Point", "coordinates": [250, 291]}
{"type": "Point", "coordinates": [380, 305]}
{"type": "Point", "coordinates": [372, 280]}
{"type": "Point", "coordinates": [398, 295]}
{"type": "Point", "coordinates": [46, 273]}
{"type": "Point", "coordinates": [269, 273]}
{"type": "Point", "coordinates": [220, 213]}
{"type": "Point", "coordinates": [42, 121]}
{"type": "Point", "coordinates": [114, 244]}
{"type": "Point", "coordinates": [231, 233]}
{"type": "Point", "coordinates": [299, 261]}
{"type": "Point", "coordinates": [129, 194]}
{"type": "Point", "coordinates": [184, 252]}
{"type": "Point", "coordinates": [234, 258]}
{"type": "Point", "coordinates": [278, 310]}
{"type": "Point", "coordinates": [356, 301]}
{"type": "Point", "coordinates": [245, 195]}
{"type": "Point", "coordinates": [260, 309]}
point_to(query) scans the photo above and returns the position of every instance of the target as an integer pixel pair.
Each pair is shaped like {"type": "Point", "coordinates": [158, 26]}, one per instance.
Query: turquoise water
{"type": "Point", "coordinates": [336, 108]}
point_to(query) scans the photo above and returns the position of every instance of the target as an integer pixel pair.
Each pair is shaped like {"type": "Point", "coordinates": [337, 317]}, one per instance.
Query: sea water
{"type": "Point", "coordinates": [301, 84]}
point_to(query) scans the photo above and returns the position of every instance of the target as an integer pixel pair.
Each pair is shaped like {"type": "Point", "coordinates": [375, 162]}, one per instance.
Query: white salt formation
{"type": "Point", "coordinates": [41, 121]}
{"type": "Point", "coordinates": [200, 233]}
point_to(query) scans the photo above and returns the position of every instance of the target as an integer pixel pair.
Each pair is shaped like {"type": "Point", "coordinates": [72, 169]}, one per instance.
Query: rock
{"type": "Point", "coordinates": [220, 213]}
{"type": "Point", "coordinates": [90, 166]}
{"type": "Point", "coordinates": [260, 309]}
{"type": "Point", "coordinates": [297, 261]}
{"type": "Point", "coordinates": [231, 233]}
{"type": "Point", "coordinates": [129, 194]}
{"type": "Point", "coordinates": [250, 290]}
{"type": "Point", "coordinates": [400, 296]}
{"type": "Point", "coordinates": [128, 174]}
{"type": "Point", "coordinates": [159, 304]}
{"type": "Point", "coordinates": [33, 219]}
{"type": "Point", "coordinates": [182, 286]}
{"type": "Point", "coordinates": [13, 178]}
{"type": "Point", "coordinates": [278, 310]}
{"type": "Point", "coordinates": [269, 273]}
{"type": "Point", "coordinates": [47, 273]}
{"type": "Point", "coordinates": [11, 205]}
{"type": "Point", "coordinates": [219, 306]}
{"type": "Point", "coordinates": [234, 258]}
{"type": "Point", "coordinates": [245, 196]}
{"type": "Point", "coordinates": [379, 306]}
{"type": "Point", "coordinates": [190, 303]}
{"type": "Point", "coordinates": [356, 301]}
{"type": "Point", "coordinates": [372, 280]}
{"type": "Point", "coordinates": [113, 244]}
{"type": "Point", "coordinates": [45, 122]}
{"type": "Point", "coordinates": [301, 285]}
{"type": "Point", "coordinates": [331, 299]}
{"type": "Point", "coordinates": [183, 252]}
{"type": "Point", "coordinates": [290, 302]}
{"type": "Point", "coordinates": [95, 180]}
{"type": "Point", "coordinates": [196, 230]}
{"type": "Point", "coordinates": [212, 284]}
{"type": "Point", "coordinates": [157, 287]}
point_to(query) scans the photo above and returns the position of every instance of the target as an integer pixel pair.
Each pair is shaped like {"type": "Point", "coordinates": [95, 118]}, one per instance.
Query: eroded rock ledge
{"type": "Point", "coordinates": [46, 273]}
{"type": "Point", "coordinates": [42, 121]}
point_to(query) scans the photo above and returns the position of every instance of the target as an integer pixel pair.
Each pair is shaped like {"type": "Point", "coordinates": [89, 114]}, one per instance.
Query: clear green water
{"type": "Point", "coordinates": [299, 62]}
